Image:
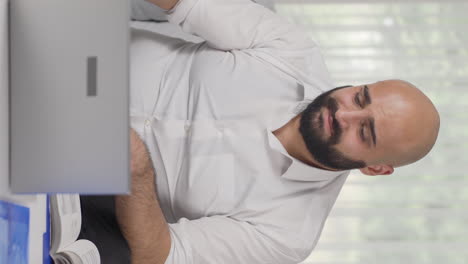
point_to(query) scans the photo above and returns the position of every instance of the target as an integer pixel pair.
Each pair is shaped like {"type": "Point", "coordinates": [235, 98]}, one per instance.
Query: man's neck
{"type": "Point", "coordinates": [291, 139]}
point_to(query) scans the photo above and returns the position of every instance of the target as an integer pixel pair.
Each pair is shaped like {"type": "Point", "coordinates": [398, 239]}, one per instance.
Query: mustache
{"type": "Point", "coordinates": [332, 106]}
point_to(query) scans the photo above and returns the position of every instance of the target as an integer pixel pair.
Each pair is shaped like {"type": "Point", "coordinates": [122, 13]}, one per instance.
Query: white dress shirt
{"type": "Point", "coordinates": [227, 187]}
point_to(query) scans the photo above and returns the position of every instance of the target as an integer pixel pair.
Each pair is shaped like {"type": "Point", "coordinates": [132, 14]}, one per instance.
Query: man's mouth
{"type": "Point", "coordinates": [328, 122]}
{"type": "Point", "coordinates": [333, 125]}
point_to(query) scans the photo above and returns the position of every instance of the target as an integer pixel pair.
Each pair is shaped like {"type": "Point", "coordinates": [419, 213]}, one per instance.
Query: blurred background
{"type": "Point", "coordinates": [419, 214]}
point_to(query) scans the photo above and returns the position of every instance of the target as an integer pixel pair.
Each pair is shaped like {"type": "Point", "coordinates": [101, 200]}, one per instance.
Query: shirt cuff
{"type": "Point", "coordinates": [180, 11]}
{"type": "Point", "coordinates": [181, 251]}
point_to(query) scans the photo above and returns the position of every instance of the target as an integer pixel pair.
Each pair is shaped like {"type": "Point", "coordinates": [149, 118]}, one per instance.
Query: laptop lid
{"type": "Point", "coordinates": [69, 79]}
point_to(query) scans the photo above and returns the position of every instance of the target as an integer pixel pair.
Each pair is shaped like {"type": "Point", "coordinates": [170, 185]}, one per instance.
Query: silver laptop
{"type": "Point", "coordinates": [69, 78]}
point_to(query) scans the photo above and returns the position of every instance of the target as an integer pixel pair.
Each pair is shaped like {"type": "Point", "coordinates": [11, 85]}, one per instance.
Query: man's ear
{"type": "Point", "coordinates": [377, 170]}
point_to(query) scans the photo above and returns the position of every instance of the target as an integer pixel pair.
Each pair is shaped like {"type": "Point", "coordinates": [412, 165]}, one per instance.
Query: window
{"type": "Point", "coordinates": [419, 214]}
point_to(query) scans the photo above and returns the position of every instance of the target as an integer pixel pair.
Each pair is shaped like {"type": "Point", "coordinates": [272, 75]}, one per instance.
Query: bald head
{"type": "Point", "coordinates": [416, 123]}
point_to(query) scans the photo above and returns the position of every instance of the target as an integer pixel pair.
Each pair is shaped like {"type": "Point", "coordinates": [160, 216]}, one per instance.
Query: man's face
{"type": "Point", "coordinates": [353, 127]}
{"type": "Point", "coordinates": [322, 136]}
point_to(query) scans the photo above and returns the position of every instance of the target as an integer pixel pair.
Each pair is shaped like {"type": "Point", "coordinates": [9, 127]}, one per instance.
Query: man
{"type": "Point", "coordinates": [229, 170]}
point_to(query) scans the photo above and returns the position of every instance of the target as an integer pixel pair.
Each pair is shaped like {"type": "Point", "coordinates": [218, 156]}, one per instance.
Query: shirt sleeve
{"type": "Point", "coordinates": [237, 24]}
{"type": "Point", "coordinates": [250, 28]}
{"type": "Point", "coordinates": [220, 239]}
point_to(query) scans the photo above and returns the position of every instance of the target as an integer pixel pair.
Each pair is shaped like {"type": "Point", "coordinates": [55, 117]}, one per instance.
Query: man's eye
{"type": "Point", "coordinates": [356, 100]}
{"type": "Point", "coordinates": [361, 132]}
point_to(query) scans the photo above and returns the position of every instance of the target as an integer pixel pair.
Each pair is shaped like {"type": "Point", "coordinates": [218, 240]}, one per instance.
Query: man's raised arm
{"type": "Point", "coordinates": [236, 25]}
{"type": "Point", "coordinates": [139, 214]}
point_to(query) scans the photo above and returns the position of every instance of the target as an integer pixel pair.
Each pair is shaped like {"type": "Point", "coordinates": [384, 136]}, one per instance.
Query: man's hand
{"type": "Point", "coordinates": [140, 218]}
{"type": "Point", "coordinates": [164, 4]}
{"type": "Point", "coordinates": [140, 165]}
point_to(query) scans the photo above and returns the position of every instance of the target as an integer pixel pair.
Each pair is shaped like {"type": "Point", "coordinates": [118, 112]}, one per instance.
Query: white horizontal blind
{"type": "Point", "coordinates": [418, 215]}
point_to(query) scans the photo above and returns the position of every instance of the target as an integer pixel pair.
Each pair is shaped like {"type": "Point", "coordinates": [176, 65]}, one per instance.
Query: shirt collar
{"type": "Point", "coordinates": [298, 170]}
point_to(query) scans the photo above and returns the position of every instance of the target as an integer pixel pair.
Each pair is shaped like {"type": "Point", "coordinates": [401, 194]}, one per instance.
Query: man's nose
{"type": "Point", "coordinates": [347, 118]}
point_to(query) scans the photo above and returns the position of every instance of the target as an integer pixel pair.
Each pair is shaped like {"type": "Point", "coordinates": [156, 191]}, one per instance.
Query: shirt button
{"type": "Point", "coordinates": [187, 127]}
{"type": "Point", "coordinates": [147, 122]}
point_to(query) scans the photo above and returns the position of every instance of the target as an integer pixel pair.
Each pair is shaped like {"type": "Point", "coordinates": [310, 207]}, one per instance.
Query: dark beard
{"type": "Point", "coordinates": [322, 150]}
